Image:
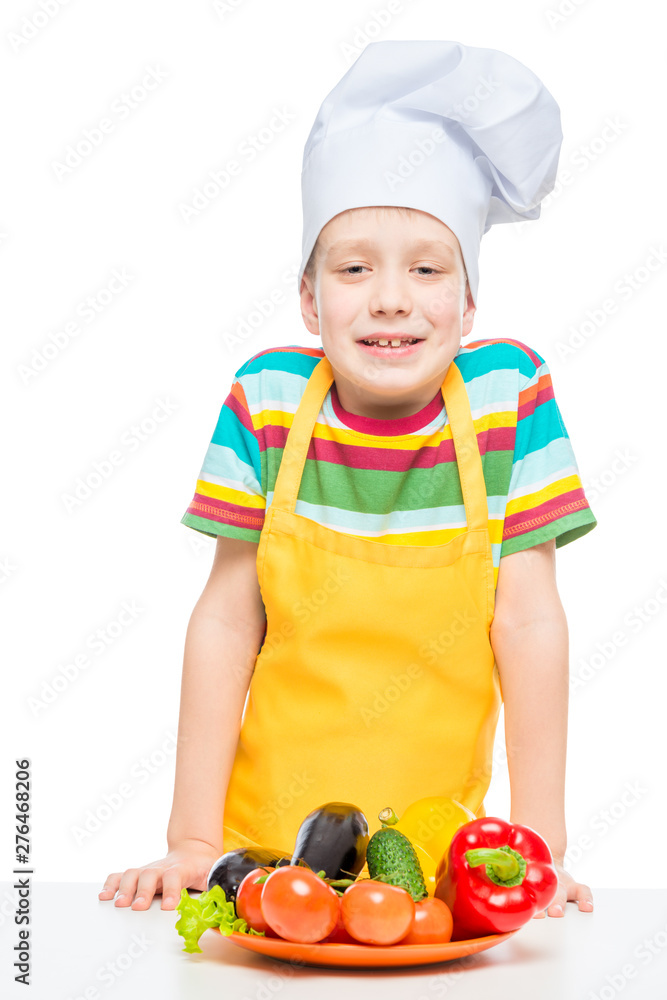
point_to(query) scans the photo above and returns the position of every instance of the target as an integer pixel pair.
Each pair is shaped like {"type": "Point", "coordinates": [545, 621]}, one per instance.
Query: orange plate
{"type": "Point", "coordinates": [365, 956]}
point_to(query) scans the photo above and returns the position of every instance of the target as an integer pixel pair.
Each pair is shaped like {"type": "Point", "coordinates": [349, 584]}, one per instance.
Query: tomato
{"type": "Point", "coordinates": [248, 897]}
{"type": "Point", "coordinates": [432, 924]}
{"type": "Point", "coordinates": [298, 905]}
{"type": "Point", "coordinates": [339, 935]}
{"type": "Point", "coordinates": [377, 913]}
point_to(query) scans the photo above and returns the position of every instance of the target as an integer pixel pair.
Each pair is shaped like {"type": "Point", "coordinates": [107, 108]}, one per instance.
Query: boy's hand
{"type": "Point", "coordinates": [568, 889]}
{"type": "Point", "coordinates": [185, 867]}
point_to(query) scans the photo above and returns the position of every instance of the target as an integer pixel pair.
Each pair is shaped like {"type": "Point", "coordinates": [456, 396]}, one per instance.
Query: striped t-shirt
{"type": "Point", "coordinates": [396, 481]}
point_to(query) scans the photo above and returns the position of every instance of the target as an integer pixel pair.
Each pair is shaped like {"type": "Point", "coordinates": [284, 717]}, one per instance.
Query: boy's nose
{"type": "Point", "coordinates": [390, 297]}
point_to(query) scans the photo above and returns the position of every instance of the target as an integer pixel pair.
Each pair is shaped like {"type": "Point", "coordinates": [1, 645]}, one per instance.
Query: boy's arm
{"type": "Point", "coordinates": [529, 638]}
{"type": "Point", "coordinates": [221, 646]}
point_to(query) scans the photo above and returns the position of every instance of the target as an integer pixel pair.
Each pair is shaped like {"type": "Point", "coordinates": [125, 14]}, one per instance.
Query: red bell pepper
{"type": "Point", "coordinates": [495, 877]}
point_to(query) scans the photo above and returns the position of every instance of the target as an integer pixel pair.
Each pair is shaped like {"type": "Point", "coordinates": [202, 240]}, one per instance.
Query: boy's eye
{"type": "Point", "coordinates": [356, 268]}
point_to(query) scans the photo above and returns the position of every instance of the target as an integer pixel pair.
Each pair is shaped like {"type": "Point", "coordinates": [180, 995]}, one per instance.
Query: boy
{"type": "Point", "coordinates": [387, 505]}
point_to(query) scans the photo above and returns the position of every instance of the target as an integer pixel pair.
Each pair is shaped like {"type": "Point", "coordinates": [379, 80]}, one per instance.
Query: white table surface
{"type": "Point", "coordinates": [80, 950]}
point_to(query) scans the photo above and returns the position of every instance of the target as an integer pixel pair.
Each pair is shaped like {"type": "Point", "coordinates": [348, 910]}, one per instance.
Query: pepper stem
{"type": "Point", "coordinates": [387, 816]}
{"type": "Point", "coordinates": [504, 866]}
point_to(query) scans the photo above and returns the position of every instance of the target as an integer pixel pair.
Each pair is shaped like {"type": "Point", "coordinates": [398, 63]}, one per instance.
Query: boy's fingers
{"type": "Point", "coordinates": [146, 886]}
{"type": "Point", "coordinates": [172, 883]}
{"type": "Point", "coordinates": [110, 886]}
{"type": "Point", "coordinates": [128, 883]}
{"type": "Point", "coordinates": [584, 897]}
{"type": "Point", "coordinates": [136, 887]}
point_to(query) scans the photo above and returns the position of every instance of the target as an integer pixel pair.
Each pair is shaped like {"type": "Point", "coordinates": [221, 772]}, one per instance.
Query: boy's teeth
{"type": "Point", "coordinates": [395, 342]}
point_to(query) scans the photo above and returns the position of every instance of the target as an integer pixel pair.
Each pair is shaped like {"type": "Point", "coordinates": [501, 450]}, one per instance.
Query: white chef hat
{"type": "Point", "coordinates": [469, 135]}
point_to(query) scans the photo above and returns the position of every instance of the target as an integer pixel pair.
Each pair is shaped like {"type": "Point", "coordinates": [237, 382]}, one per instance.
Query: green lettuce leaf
{"type": "Point", "coordinates": [210, 909]}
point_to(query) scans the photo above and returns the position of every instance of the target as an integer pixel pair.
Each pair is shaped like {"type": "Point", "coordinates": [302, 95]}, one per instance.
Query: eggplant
{"type": "Point", "coordinates": [229, 870]}
{"type": "Point", "coordinates": [333, 838]}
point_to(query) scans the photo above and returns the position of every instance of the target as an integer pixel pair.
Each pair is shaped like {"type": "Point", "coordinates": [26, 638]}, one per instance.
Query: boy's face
{"type": "Point", "coordinates": [397, 274]}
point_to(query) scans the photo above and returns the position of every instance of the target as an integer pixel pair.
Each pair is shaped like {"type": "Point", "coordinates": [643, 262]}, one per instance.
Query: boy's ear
{"type": "Point", "coordinates": [468, 313]}
{"type": "Point", "coordinates": [309, 306]}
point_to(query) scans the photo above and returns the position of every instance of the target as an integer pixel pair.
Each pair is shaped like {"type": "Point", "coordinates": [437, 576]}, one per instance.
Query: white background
{"type": "Point", "coordinates": [67, 572]}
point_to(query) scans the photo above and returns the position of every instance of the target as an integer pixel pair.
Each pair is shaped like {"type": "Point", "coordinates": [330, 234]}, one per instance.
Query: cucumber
{"type": "Point", "coordinates": [392, 858]}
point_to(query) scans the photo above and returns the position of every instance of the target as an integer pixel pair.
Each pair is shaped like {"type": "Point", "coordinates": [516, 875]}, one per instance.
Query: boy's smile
{"type": "Point", "coordinates": [385, 274]}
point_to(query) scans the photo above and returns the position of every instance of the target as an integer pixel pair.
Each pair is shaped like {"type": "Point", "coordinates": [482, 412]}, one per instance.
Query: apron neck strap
{"type": "Point", "coordinates": [457, 407]}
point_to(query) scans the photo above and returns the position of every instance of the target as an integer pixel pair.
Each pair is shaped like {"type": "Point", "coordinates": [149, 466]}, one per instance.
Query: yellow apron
{"type": "Point", "coordinates": [376, 683]}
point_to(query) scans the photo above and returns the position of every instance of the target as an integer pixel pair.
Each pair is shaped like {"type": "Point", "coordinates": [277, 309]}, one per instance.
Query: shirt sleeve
{"type": "Point", "coordinates": [546, 498]}
{"type": "Point", "coordinates": [229, 499]}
